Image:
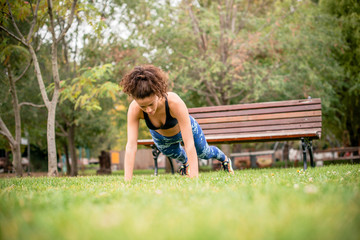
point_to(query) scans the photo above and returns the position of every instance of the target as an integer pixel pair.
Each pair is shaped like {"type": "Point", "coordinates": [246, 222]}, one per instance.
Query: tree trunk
{"type": "Point", "coordinates": [52, 170]}
{"type": "Point", "coordinates": [52, 156]}
{"type": "Point", "coordinates": [71, 143]}
{"type": "Point", "coordinates": [17, 163]}
{"type": "Point", "coordinates": [51, 108]}
{"type": "Point", "coordinates": [15, 146]}
{"type": "Point", "coordinates": [66, 150]}
{"type": "Point", "coordinates": [50, 105]}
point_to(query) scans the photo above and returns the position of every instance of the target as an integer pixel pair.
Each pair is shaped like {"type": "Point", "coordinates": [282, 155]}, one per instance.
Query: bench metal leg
{"type": "Point", "coordinates": [171, 165]}
{"type": "Point", "coordinates": [156, 153]}
{"type": "Point", "coordinates": [310, 148]}
{"type": "Point", "coordinates": [307, 145]}
{"type": "Point", "coordinates": [303, 144]}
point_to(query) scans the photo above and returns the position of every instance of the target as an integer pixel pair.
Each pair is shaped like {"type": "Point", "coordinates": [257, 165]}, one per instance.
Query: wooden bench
{"type": "Point", "coordinates": [267, 121]}
{"type": "Point", "coordinates": [335, 154]}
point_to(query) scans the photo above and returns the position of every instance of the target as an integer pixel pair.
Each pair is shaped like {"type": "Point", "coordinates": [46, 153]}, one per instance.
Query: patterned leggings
{"type": "Point", "coordinates": [171, 146]}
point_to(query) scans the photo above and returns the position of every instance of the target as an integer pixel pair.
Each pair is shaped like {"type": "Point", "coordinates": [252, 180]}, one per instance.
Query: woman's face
{"type": "Point", "coordinates": [148, 104]}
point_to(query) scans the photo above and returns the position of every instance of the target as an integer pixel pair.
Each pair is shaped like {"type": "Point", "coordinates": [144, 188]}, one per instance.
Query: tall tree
{"type": "Point", "coordinates": [90, 89]}
{"type": "Point", "coordinates": [17, 56]}
{"type": "Point", "coordinates": [47, 12]}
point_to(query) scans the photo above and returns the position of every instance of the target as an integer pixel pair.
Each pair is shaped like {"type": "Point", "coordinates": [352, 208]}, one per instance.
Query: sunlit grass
{"type": "Point", "coordinates": [321, 203]}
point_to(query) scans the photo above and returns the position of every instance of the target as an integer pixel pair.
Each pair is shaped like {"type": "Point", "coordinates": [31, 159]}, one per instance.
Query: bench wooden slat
{"type": "Point", "coordinates": [257, 111]}
{"type": "Point", "coordinates": [338, 158]}
{"type": "Point", "coordinates": [256, 136]}
{"type": "Point", "coordinates": [146, 142]}
{"type": "Point", "coordinates": [205, 126]}
{"type": "Point", "coordinates": [261, 128]}
{"type": "Point", "coordinates": [260, 117]}
{"type": "Point", "coordinates": [255, 105]}
{"type": "Point", "coordinates": [268, 136]}
{"type": "Point", "coordinates": [341, 149]}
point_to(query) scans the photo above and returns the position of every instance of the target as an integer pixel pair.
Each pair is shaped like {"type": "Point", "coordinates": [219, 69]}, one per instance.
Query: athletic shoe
{"type": "Point", "coordinates": [184, 169]}
{"type": "Point", "coordinates": [227, 166]}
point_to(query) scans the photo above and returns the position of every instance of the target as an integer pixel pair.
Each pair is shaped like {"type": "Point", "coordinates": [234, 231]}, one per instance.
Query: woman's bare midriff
{"type": "Point", "coordinates": [169, 132]}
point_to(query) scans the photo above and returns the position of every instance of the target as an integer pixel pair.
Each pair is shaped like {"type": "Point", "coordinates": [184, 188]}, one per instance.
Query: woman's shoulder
{"type": "Point", "coordinates": [174, 100]}
{"type": "Point", "coordinates": [135, 110]}
{"type": "Point", "coordinates": [173, 97]}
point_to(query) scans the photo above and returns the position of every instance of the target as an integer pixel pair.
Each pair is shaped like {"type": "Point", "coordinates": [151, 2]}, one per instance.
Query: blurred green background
{"type": "Point", "coordinates": [215, 52]}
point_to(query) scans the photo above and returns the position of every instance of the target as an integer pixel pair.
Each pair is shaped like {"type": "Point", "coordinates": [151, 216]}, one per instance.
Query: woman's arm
{"type": "Point", "coordinates": [179, 110]}
{"type": "Point", "coordinates": [132, 136]}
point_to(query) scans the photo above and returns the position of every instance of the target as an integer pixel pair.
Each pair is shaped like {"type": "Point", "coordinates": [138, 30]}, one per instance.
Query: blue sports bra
{"type": "Point", "coordinates": [169, 123]}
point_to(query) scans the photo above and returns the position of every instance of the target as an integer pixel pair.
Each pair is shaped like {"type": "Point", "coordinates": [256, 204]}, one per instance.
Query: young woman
{"type": "Point", "coordinates": [168, 119]}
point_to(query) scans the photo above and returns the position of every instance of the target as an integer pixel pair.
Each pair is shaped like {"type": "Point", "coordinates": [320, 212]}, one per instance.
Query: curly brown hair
{"type": "Point", "coordinates": [144, 81]}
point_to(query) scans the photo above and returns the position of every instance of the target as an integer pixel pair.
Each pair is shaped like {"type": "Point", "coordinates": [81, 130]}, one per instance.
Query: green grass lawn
{"type": "Point", "coordinates": [321, 203]}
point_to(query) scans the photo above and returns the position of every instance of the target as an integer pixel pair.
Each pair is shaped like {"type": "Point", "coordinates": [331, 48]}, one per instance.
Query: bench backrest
{"type": "Point", "coordinates": [282, 120]}
{"type": "Point", "coordinates": [267, 121]}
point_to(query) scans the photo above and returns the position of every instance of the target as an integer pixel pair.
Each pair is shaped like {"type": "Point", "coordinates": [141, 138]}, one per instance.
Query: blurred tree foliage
{"type": "Point", "coordinates": [225, 52]}
{"type": "Point", "coordinates": [346, 87]}
{"type": "Point", "coordinates": [120, 57]}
